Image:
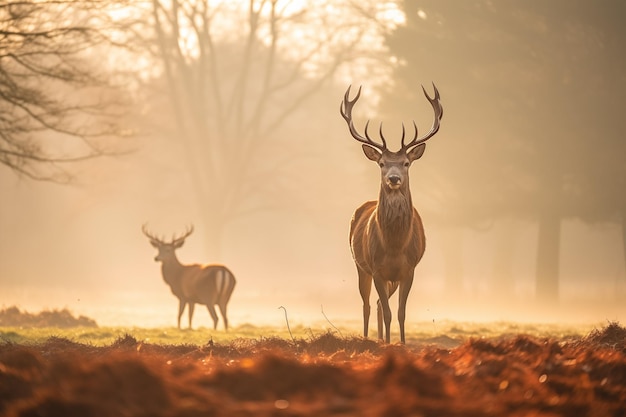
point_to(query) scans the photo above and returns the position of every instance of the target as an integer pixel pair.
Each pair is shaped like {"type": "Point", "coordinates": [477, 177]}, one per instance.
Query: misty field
{"type": "Point", "coordinates": [451, 369]}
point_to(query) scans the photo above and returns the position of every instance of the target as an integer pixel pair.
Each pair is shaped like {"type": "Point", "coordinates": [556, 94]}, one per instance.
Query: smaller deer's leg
{"type": "Point", "coordinates": [365, 288]}
{"type": "Point", "coordinates": [181, 308]}
{"type": "Point", "coordinates": [405, 287]}
{"type": "Point", "coordinates": [192, 306]}
{"type": "Point", "coordinates": [383, 299]}
{"type": "Point", "coordinates": [223, 312]}
{"type": "Point", "coordinates": [213, 314]}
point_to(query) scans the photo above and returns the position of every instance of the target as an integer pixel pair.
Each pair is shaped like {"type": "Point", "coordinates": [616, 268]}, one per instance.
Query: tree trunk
{"type": "Point", "coordinates": [502, 283]}
{"type": "Point", "coordinates": [548, 248]}
{"type": "Point", "coordinates": [214, 233]}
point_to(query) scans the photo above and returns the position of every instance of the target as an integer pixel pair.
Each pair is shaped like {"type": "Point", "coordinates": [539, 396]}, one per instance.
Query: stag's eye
{"type": "Point", "coordinates": [406, 164]}
{"type": "Point", "coordinates": [381, 164]}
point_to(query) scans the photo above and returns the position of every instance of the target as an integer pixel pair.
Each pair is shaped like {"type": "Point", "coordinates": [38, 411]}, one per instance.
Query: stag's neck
{"type": "Point", "coordinates": [395, 215]}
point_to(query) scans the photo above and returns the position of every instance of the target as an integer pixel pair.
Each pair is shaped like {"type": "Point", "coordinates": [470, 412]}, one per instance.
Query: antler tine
{"type": "Point", "coordinates": [370, 141]}
{"type": "Point", "coordinates": [438, 109]}
{"type": "Point", "coordinates": [184, 236]}
{"type": "Point", "coordinates": [414, 136]}
{"type": "Point", "coordinates": [150, 235]}
{"type": "Point", "coordinates": [346, 112]}
{"type": "Point", "coordinates": [380, 132]}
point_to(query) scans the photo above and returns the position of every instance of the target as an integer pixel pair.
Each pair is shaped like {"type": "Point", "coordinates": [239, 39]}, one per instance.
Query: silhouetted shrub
{"type": "Point", "coordinates": [14, 317]}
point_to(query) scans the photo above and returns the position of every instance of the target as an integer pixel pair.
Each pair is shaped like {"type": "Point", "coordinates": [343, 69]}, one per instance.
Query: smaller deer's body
{"type": "Point", "coordinates": [387, 236]}
{"type": "Point", "coordinates": [208, 285]}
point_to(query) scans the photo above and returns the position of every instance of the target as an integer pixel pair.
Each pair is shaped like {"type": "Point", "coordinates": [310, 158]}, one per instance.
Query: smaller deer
{"type": "Point", "coordinates": [209, 285]}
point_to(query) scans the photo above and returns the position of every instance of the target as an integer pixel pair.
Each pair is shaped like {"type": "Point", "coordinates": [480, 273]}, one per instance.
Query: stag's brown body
{"type": "Point", "coordinates": [387, 239]}
{"type": "Point", "coordinates": [387, 236]}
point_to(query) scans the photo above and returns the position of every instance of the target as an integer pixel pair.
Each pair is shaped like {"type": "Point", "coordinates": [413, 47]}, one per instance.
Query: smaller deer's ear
{"type": "Point", "coordinates": [417, 152]}
{"type": "Point", "coordinates": [371, 153]}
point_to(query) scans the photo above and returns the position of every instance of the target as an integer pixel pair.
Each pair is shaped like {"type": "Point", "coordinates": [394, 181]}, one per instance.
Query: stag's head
{"type": "Point", "coordinates": [166, 249]}
{"type": "Point", "coordinates": [394, 166]}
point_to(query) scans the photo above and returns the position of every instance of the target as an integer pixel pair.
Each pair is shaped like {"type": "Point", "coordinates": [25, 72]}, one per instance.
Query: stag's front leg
{"type": "Point", "coordinates": [365, 288]}
{"type": "Point", "coordinates": [383, 300]}
{"type": "Point", "coordinates": [405, 287]}
{"type": "Point", "coordinates": [192, 307]}
{"type": "Point", "coordinates": [181, 308]}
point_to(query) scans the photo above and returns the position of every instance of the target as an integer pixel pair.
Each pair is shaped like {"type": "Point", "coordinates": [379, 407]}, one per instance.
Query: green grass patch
{"type": "Point", "coordinates": [103, 336]}
{"type": "Point", "coordinates": [447, 333]}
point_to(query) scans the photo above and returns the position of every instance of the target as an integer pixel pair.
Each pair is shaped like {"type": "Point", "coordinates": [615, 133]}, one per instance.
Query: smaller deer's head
{"type": "Point", "coordinates": [166, 249]}
{"type": "Point", "coordinates": [394, 166]}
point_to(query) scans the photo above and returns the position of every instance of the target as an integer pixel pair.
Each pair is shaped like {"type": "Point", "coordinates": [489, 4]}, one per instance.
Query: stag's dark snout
{"type": "Point", "coordinates": [394, 181]}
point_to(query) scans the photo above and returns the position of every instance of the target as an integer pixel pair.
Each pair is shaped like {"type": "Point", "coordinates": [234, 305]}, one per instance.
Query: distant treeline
{"type": "Point", "coordinates": [13, 317]}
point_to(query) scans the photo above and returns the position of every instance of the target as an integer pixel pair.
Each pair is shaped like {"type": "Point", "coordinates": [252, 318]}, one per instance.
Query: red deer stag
{"type": "Point", "coordinates": [387, 236]}
{"type": "Point", "coordinates": [193, 284]}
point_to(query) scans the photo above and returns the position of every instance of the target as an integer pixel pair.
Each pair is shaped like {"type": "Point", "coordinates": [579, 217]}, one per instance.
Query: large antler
{"type": "Point", "coordinates": [438, 108]}
{"type": "Point", "coordinates": [346, 112]}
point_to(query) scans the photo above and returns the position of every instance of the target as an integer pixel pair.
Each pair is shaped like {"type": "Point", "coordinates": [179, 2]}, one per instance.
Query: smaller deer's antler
{"type": "Point", "coordinates": [150, 236]}
{"type": "Point", "coordinates": [176, 240]}
{"type": "Point", "coordinates": [161, 241]}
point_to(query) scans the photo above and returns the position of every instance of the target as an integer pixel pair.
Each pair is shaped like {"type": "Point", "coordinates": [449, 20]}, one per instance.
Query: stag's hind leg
{"type": "Point", "coordinates": [391, 288]}
{"type": "Point", "coordinates": [384, 312]}
{"type": "Point", "coordinates": [365, 288]}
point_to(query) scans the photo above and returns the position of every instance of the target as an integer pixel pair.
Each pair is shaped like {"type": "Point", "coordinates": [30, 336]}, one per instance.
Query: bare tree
{"type": "Point", "coordinates": [56, 101]}
{"type": "Point", "coordinates": [236, 72]}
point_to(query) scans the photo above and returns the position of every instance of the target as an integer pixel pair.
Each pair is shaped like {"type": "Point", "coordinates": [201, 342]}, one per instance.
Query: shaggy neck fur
{"type": "Point", "coordinates": [395, 214]}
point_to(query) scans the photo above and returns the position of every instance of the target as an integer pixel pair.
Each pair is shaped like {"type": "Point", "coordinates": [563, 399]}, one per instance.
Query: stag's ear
{"type": "Point", "coordinates": [417, 152]}
{"type": "Point", "coordinates": [179, 243]}
{"type": "Point", "coordinates": [154, 243]}
{"type": "Point", "coordinates": [371, 153]}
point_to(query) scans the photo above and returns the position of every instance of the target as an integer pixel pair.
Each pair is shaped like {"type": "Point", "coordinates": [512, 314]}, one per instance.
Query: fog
{"type": "Point", "coordinates": [482, 186]}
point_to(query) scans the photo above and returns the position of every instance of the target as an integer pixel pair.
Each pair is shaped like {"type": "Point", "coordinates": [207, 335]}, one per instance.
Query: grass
{"type": "Point", "coordinates": [447, 333]}
{"type": "Point", "coordinates": [21, 327]}
{"type": "Point", "coordinates": [102, 336]}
